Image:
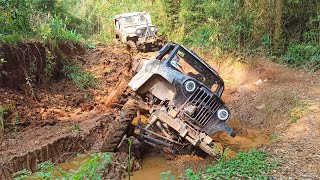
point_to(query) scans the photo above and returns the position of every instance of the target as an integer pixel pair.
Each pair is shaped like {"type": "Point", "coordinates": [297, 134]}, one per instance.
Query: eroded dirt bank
{"type": "Point", "coordinates": [64, 119]}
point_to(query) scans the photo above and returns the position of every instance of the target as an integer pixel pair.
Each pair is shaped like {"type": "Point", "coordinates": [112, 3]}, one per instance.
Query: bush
{"type": "Point", "coordinates": [307, 55]}
{"type": "Point", "coordinates": [81, 78]}
{"type": "Point", "coordinates": [252, 164]}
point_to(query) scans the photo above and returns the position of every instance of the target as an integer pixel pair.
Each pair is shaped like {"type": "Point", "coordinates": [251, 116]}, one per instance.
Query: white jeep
{"type": "Point", "coordinates": [136, 30]}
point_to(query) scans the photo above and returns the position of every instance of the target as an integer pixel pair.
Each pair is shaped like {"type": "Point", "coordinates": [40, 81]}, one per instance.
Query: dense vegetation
{"type": "Point", "coordinates": [289, 29]}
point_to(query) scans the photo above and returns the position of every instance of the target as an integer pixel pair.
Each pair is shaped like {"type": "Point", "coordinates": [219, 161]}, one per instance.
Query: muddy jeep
{"type": "Point", "coordinates": [182, 95]}
{"type": "Point", "coordinates": [136, 30]}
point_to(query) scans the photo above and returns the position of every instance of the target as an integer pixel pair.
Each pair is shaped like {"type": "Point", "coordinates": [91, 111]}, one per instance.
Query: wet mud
{"type": "Point", "coordinates": [151, 168]}
{"type": "Point", "coordinates": [247, 137]}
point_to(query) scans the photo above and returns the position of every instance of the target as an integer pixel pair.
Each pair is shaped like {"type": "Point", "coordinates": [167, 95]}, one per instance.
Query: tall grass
{"type": "Point", "coordinates": [83, 79]}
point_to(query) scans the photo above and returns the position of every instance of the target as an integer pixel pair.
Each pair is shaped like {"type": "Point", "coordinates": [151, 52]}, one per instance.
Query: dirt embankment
{"type": "Point", "coordinates": [63, 119]}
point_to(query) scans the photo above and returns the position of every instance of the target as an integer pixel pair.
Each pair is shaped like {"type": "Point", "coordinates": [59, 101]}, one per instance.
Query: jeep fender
{"type": "Point", "coordinates": [156, 79]}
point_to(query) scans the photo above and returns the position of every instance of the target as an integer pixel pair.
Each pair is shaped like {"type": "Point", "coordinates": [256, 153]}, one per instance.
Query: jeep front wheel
{"type": "Point", "coordinates": [132, 47]}
{"type": "Point", "coordinates": [119, 126]}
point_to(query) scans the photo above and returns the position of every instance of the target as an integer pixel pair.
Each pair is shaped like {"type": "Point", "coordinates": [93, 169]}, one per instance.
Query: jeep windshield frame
{"type": "Point", "coordinates": [135, 20]}
{"type": "Point", "coordinates": [211, 77]}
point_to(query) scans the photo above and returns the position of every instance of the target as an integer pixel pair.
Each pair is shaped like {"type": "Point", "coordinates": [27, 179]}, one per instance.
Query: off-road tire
{"type": "Point", "coordinates": [132, 47]}
{"type": "Point", "coordinates": [119, 127]}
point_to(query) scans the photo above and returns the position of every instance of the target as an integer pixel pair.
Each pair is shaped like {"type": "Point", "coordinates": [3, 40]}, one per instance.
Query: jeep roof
{"type": "Point", "coordinates": [128, 14]}
{"type": "Point", "coordinates": [196, 62]}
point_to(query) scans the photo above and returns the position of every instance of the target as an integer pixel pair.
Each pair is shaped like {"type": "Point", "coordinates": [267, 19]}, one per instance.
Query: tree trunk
{"type": "Point", "coordinates": [277, 24]}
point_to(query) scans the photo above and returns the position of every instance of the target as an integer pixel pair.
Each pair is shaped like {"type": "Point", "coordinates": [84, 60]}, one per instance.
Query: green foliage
{"type": "Point", "coordinates": [248, 27]}
{"type": "Point", "coordinates": [3, 109]}
{"type": "Point", "coordinates": [2, 73]}
{"type": "Point", "coordinates": [216, 23]}
{"type": "Point", "coordinates": [20, 175]}
{"type": "Point", "coordinates": [90, 45]}
{"type": "Point", "coordinates": [81, 78]}
{"type": "Point", "coordinates": [299, 110]}
{"type": "Point", "coordinates": [90, 169]}
{"type": "Point", "coordinates": [167, 175]}
{"type": "Point", "coordinates": [231, 25]}
{"type": "Point", "coordinates": [303, 55]}
{"type": "Point", "coordinates": [14, 16]}
{"type": "Point", "coordinates": [32, 19]}
{"type": "Point", "coordinates": [54, 29]}
{"type": "Point", "coordinates": [75, 127]}
{"type": "Point", "coordinates": [50, 63]}
{"type": "Point", "coordinates": [252, 164]}
{"type": "Point", "coordinates": [46, 170]}
{"type": "Point", "coordinates": [306, 53]}
{"type": "Point", "coordinates": [275, 136]}
{"type": "Point", "coordinates": [190, 174]}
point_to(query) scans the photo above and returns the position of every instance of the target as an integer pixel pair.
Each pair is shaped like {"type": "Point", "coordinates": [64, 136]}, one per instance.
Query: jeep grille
{"type": "Point", "coordinates": [205, 103]}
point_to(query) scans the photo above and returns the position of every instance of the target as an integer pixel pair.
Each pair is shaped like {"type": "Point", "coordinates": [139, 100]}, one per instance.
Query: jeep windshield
{"type": "Point", "coordinates": [135, 20]}
{"type": "Point", "coordinates": [191, 64]}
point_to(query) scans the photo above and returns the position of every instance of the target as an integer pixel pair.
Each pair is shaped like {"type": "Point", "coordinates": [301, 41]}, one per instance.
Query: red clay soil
{"type": "Point", "coordinates": [66, 119]}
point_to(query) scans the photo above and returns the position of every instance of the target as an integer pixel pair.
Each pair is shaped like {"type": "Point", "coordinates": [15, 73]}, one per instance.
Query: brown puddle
{"type": "Point", "coordinates": [72, 164]}
{"type": "Point", "coordinates": [247, 137]}
{"type": "Point", "coordinates": [151, 168]}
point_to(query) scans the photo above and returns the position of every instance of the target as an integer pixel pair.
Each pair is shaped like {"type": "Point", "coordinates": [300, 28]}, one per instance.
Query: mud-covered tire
{"type": "Point", "coordinates": [119, 127]}
{"type": "Point", "coordinates": [132, 47]}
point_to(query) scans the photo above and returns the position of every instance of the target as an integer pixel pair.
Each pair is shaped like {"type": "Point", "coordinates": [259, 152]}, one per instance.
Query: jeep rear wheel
{"type": "Point", "coordinates": [132, 47]}
{"type": "Point", "coordinates": [119, 127]}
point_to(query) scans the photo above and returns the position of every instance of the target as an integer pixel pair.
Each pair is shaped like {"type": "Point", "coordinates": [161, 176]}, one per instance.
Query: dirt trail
{"type": "Point", "coordinates": [284, 103]}
{"type": "Point", "coordinates": [66, 120]}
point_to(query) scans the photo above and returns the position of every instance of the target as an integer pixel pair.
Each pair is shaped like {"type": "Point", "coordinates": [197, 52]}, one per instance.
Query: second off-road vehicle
{"type": "Point", "coordinates": [182, 95]}
{"type": "Point", "coordinates": [137, 31]}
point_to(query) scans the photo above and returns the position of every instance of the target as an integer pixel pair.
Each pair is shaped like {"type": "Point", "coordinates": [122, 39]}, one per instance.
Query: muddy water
{"type": "Point", "coordinates": [72, 164]}
{"type": "Point", "coordinates": [247, 137]}
{"type": "Point", "coordinates": [151, 168]}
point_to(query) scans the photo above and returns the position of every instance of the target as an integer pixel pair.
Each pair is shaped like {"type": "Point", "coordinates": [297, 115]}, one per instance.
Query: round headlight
{"type": "Point", "coordinates": [190, 86]}
{"type": "Point", "coordinates": [139, 31]}
{"type": "Point", "coordinates": [223, 114]}
{"type": "Point", "coordinates": [153, 29]}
